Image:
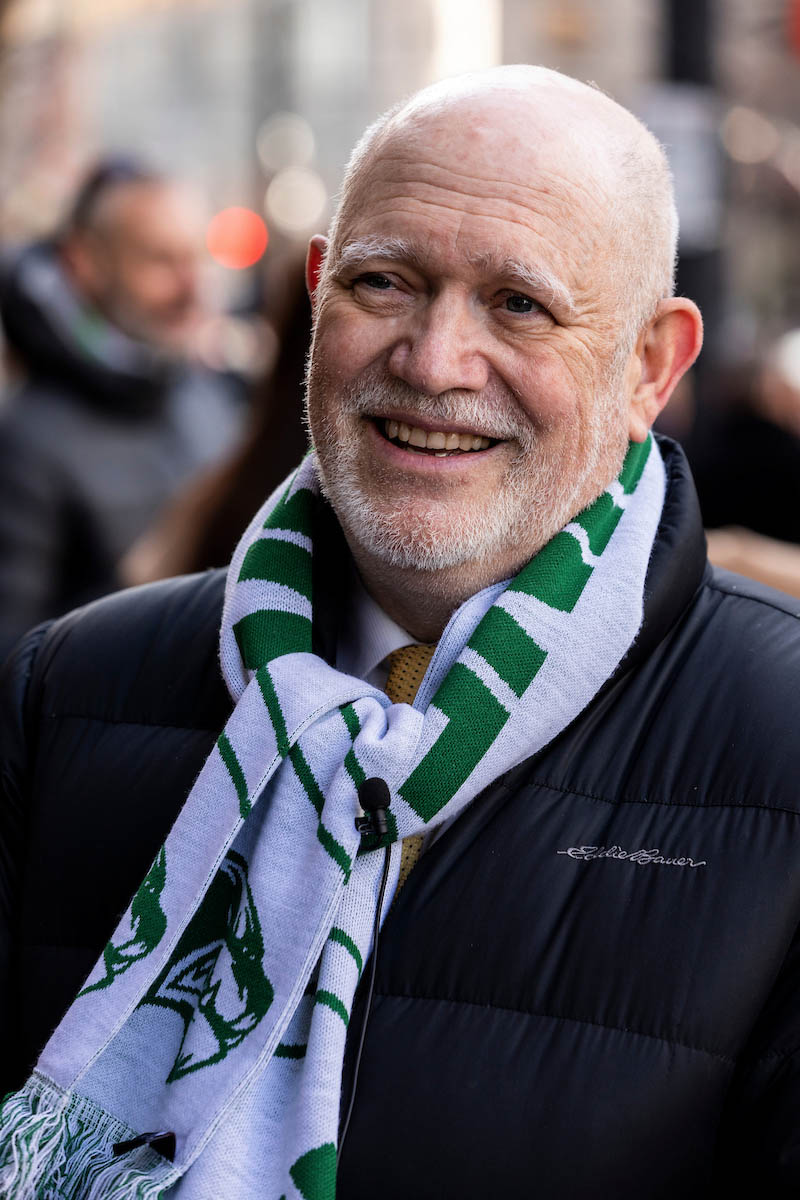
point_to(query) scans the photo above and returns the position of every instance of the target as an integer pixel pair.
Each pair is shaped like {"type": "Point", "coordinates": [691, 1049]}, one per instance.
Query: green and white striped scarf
{"type": "Point", "coordinates": [219, 1009]}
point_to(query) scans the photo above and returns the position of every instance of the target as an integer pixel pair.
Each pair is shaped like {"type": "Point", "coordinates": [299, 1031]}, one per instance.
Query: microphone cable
{"type": "Point", "coordinates": [368, 1003]}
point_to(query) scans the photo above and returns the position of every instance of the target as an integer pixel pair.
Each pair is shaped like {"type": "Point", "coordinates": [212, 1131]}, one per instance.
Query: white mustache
{"type": "Point", "coordinates": [479, 411]}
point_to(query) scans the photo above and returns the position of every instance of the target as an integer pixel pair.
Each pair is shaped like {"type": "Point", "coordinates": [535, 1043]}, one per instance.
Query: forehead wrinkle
{"type": "Point", "coordinates": [388, 195]}
{"type": "Point", "coordinates": [503, 218]}
{"type": "Point", "coordinates": [588, 188]}
{"type": "Point", "coordinates": [389, 207]}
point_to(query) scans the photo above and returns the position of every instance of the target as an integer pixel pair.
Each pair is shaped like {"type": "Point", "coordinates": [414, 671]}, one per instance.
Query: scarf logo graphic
{"type": "Point", "coordinates": [147, 927]}
{"type": "Point", "coordinates": [215, 980]}
{"type": "Point", "coordinates": [642, 857]}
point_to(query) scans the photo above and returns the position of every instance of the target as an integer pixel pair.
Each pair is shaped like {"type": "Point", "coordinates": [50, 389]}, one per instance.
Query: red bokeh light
{"type": "Point", "coordinates": [236, 237]}
{"type": "Point", "coordinates": [793, 19]}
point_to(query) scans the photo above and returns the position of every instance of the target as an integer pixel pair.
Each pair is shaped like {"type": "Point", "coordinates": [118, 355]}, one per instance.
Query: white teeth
{"type": "Point", "coordinates": [437, 440]}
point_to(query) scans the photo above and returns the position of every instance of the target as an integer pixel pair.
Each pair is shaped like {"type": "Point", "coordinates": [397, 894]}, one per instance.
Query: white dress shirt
{"type": "Point", "coordinates": [366, 636]}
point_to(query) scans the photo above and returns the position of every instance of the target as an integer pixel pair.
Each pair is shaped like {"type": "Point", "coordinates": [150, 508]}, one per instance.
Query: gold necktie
{"type": "Point", "coordinates": [407, 666]}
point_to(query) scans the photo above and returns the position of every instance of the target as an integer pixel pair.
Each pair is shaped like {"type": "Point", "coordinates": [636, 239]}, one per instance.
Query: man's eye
{"type": "Point", "coordinates": [517, 303]}
{"type": "Point", "coordinates": [374, 279]}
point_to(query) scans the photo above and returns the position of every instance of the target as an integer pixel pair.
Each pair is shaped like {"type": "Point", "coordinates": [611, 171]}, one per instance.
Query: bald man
{"type": "Point", "coordinates": [490, 884]}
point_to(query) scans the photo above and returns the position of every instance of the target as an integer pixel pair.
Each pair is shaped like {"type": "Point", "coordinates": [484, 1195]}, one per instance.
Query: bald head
{"type": "Point", "coordinates": [531, 122]}
{"type": "Point", "coordinates": [496, 293]}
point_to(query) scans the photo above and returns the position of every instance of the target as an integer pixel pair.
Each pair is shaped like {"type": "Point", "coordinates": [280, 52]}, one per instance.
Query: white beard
{"type": "Point", "coordinates": [539, 494]}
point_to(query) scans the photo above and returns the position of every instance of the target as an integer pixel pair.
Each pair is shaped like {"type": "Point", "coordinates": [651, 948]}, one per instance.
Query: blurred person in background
{"type": "Point", "coordinates": [201, 526]}
{"type": "Point", "coordinates": [744, 451]}
{"type": "Point", "coordinates": [106, 417]}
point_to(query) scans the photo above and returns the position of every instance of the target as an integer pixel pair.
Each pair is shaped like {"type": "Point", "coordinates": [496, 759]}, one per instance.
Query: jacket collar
{"type": "Point", "coordinates": [678, 563]}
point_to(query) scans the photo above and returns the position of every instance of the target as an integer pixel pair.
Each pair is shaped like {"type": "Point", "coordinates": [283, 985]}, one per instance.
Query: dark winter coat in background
{"type": "Point", "coordinates": [589, 986]}
{"type": "Point", "coordinates": [98, 435]}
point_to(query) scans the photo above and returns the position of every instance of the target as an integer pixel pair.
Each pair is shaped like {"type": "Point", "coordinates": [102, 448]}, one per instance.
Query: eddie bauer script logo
{"type": "Point", "coordinates": [642, 857]}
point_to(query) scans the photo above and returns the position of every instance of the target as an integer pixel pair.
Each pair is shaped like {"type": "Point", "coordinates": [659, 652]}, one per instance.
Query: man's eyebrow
{"type": "Point", "coordinates": [353, 254]}
{"type": "Point", "coordinates": [395, 249]}
{"type": "Point", "coordinates": [536, 279]}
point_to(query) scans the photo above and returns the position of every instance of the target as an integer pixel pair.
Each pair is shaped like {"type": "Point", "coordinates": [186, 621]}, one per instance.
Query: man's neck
{"type": "Point", "coordinates": [422, 601]}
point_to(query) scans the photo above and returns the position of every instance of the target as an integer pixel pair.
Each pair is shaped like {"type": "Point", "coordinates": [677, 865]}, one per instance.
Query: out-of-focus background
{"type": "Point", "coordinates": [251, 106]}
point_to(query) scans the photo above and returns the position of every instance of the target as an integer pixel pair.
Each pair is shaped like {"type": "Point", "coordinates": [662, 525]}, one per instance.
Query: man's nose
{"type": "Point", "coordinates": [442, 351]}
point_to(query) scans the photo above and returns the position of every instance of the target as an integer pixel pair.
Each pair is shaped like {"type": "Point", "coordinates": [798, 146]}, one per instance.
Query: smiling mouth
{"type": "Point", "coordinates": [441, 443]}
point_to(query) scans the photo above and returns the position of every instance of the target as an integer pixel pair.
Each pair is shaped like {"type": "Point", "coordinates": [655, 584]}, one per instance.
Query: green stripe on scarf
{"type": "Point", "coordinates": [335, 849]}
{"type": "Point", "coordinates": [600, 520]}
{"type": "Point", "coordinates": [634, 465]}
{"type": "Point", "coordinates": [306, 777]}
{"type": "Point", "coordinates": [334, 1004]}
{"type": "Point", "coordinates": [506, 647]}
{"type": "Point", "coordinates": [279, 562]}
{"type": "Point", "coordinates": [475, 719]}
{"type": "Point", "coordinates": [292, 511]}
{"type": "Point", "coordinates": [237, 775]}
{"type": "Point", "coordinates": [274, 709]}
{"type": "Point", "coordinates": [344, 939]}
{"type": "Point", "coordinates": [260, 634]}
{"type": "Point", "coordinates": [560, 574]}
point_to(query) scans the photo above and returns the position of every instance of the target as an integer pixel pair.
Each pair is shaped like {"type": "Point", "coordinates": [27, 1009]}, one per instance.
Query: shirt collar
{"type": "Point", "coordinates": [367, 634]}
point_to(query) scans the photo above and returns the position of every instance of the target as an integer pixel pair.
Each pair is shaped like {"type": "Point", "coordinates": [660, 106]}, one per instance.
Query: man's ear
{"type": "Point", "coordinates": [317, 249]}
{"type": "Point", "coordinates": [664, 352]}
{"type": "Point", "coordinates": [84, 262]}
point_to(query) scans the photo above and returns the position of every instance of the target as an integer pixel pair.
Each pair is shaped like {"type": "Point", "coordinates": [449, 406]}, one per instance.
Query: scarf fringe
{"type": "Point", "coordinates": [52, 1153]}
{"type": "Point", "coordinates": [33, 1141]}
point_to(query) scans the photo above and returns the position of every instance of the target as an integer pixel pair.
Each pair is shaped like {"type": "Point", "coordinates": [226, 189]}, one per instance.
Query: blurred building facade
{"type": "Point", "coordinates": [193, 84]}
{"type": "Point", "coordinates": [188, 83]}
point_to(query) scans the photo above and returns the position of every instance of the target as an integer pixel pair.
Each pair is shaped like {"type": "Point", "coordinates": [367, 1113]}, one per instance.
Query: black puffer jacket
{"type": "Point", "coordinates": [549, 1020]}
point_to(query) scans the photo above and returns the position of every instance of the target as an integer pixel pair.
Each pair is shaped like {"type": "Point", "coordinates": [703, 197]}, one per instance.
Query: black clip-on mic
{"type": "Point", "coordinates": [375, 799]}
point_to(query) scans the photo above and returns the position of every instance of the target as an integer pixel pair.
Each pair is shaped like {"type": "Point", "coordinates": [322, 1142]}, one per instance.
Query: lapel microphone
{"type": "Point", "coordinates": [375, 799]}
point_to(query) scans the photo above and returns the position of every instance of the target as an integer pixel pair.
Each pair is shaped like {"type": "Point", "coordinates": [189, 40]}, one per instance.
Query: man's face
{"type": "Point", "coordinates": [141, 266]}
{"type": "Point", "coordinates": [466, 391]}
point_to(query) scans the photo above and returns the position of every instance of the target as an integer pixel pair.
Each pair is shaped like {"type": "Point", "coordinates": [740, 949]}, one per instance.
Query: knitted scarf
{"type": "Point", "coordinates": [218, 1011]}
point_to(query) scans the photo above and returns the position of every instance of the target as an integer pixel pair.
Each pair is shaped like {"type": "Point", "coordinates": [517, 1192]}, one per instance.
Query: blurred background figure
{"type": "Point", "coordinates": [746, 449]}
{"type": "Point", "coordinates": [201, 527]}
{"type": "Point", "coordinates": [105, 416]}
